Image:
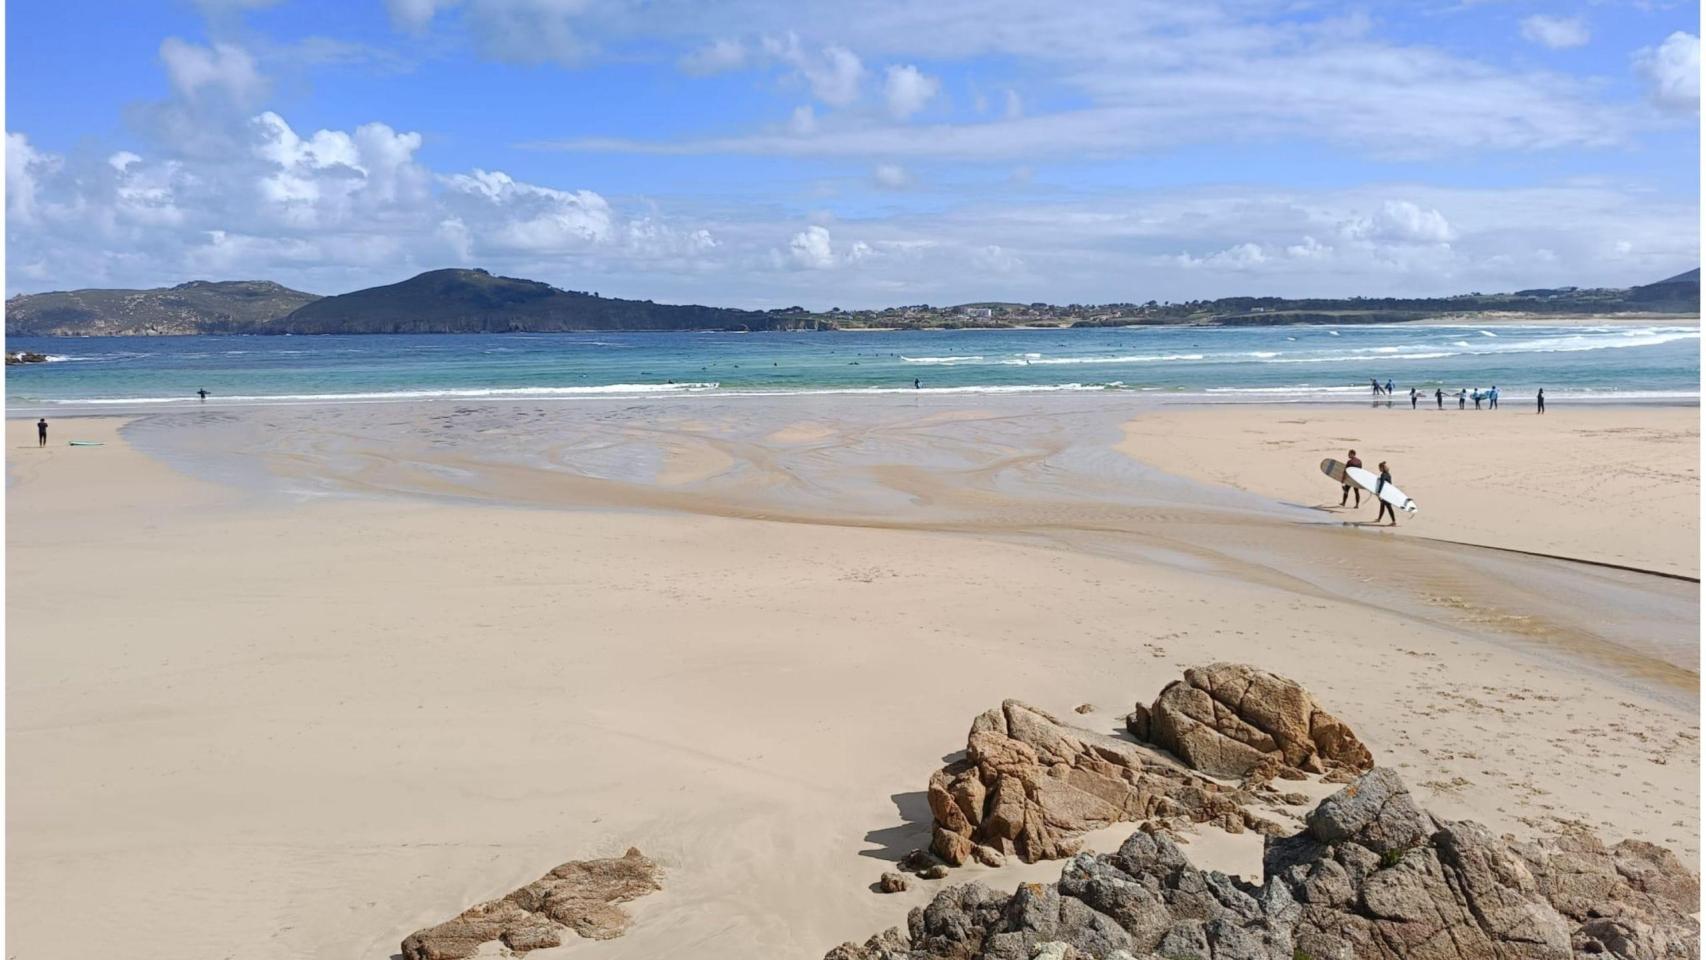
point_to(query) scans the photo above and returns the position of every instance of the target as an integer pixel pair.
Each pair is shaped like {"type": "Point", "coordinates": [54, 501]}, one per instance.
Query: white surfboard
{"type": "Point", "coordinates": [1389, 493]}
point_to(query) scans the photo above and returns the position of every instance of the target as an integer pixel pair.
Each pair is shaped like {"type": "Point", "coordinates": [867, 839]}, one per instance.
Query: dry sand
{"type": "Point", "coordinates": [1612, 484]}
{"type": "Point", "coordinates": [239, 727]}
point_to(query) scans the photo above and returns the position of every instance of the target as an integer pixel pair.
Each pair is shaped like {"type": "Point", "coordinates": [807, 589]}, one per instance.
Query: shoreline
{"type": "Point", "coordinates": [1561, 400]}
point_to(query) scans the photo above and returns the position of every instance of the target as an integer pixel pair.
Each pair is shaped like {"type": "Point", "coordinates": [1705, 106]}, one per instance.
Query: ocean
{"type": "Point", "coordinates": [1619, 362]}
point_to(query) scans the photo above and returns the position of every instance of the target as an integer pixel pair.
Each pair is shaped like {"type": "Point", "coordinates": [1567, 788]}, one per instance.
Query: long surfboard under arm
{"type": "Point", "coordinates": [1368, 481]}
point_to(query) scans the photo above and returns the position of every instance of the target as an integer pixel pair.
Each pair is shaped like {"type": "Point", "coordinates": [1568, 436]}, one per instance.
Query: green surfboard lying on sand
{"type": "Point", "coordinates": [84, 443]}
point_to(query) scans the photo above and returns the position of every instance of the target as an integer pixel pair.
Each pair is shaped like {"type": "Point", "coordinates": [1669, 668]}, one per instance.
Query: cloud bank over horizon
{"type": "Point", "coordinates": [832, 157]}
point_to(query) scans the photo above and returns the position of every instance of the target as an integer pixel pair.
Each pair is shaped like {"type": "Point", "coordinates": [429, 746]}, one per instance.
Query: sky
{"type": "Point", "coordinates": [764, 153]}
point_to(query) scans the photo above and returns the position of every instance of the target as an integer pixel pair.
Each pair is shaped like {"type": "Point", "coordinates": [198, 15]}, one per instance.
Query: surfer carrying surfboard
{"type": "Point", "coordinates": [1351, 461]}
{"type": "Point", "coordinates": [1385, 507]}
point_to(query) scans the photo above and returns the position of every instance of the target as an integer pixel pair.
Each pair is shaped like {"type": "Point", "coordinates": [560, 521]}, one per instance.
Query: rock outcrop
{"type": "Point", "coordinates": [1233, 720]}
{"type": "Point", "coordinates": [1372, 876]}
{"type": "Point", "coordinates": [1030, 785]}
{"type": "Point", "coordinates": [579, 896]}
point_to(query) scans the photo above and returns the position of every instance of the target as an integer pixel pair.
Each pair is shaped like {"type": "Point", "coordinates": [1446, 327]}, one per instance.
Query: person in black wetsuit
{"type": "Point", "coordinates": [1540, 401]}
{"type": "Point", "coordinates": [1385, 508]}
{"type": "Point", "coordinates": [41, 432]}
{"type": "Point", "coordinates": [1349, 487]}
{"type": "Point", "coordinates": [202, 394]}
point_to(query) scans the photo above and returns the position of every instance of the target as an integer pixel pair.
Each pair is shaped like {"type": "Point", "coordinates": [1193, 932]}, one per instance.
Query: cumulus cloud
{"type": "Point", "coordinates": [330, 209]}
{"type": "Point", "coordinates": [810, 248]}
{"type": "Point", "coordinates": [24, 166]}
{"type": "Point", "coordinates": [1557, 33]}
{"type": "Point", "coordinates": [1672, 72]}
{"type": "Point", "coordinates": [907, 90]}
{"type": "Point", "coordinates": [1400, 221]}
{"type": "Point", "coordinates": [524, 217]}
{"type": "Point", "coordinates": [222, 70]}
{"type": "Point", "coordinates": [833, 72]}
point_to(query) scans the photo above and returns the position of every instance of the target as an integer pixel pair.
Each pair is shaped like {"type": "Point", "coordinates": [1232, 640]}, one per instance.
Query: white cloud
{"type": "Point", "coordinates": [834, 72]}
{"type": "Point", "coordinates": [24, 165]}
{"type": "Point", "coordinates": [414, 14]}
{"type": "Point", "coordinates": [810, 248]}
{"type": "Point", "coordinates": [223, 70]}
{"type": "Point", "coordinates": [717, 56]}
{"type": "Point", "coordinates": [530, 218]}
{"type": "Point", "coordinates": [1400, 221]}
{"type": "Point", "coordinates": [908, 91]}
{"type": "Point", "coordinates": [893, 176]}
{"type": "Point", "coordinates": [803, 120]}
{"type": "Point", "coordinates": [1558, 33]}
{"type": "Point", "coordinates": [1014, 106]}
{"type": "Point", "coordinates": [1672, 72]}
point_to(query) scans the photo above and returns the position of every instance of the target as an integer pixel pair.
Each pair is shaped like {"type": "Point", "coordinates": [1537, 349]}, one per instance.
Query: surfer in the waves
{"type": "Point", "coordinates": [1385, 508]}
{"type": "Point", "coordinates": [1349, 487]}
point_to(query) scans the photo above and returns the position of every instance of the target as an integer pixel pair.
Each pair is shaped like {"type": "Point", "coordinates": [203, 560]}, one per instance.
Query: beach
{"type": "Point", "coordinates": [1599, 483]}
{"type": "Point", "coordinates": [292, 682]}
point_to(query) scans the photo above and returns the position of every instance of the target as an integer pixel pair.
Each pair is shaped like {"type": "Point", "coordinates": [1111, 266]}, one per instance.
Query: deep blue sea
{"type": "Point", "coordinates": [1620, 361]}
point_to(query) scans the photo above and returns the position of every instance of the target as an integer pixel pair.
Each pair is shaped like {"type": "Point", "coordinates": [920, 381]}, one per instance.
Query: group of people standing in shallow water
{"type": "Point", "coordinates": [1490, 396]}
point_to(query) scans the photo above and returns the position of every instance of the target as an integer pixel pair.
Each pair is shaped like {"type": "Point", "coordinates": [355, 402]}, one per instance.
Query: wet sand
{"type": "Point", "coordinates": [348, 688]}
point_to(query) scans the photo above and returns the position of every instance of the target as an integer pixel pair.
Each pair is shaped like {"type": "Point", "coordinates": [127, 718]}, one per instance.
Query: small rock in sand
{"type": "Point", "coordinates": [892, 882]}
{"type": "Point", "coordinates": [580, 895]}
{"type": "Point", "coordinates": [1084, 708]}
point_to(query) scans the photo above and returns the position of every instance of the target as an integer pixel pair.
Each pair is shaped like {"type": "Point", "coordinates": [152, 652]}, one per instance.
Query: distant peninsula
{"type": "Point", "coordinates": [475, 301]}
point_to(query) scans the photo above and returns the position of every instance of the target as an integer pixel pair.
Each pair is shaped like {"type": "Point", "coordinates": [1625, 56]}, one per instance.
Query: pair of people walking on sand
{"type": "Point", "coordinates": [1349, 488]}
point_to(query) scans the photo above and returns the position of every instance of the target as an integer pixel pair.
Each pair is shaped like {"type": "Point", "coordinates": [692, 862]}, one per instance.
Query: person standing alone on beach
{"type": "Point", "coordinates": [1351, 461]}
{"type": "Point", "coordinates": [1385, 508]}
{"type": "Point", "coordinates": [41, 432]}
{"type": "Point", "coordinates": [1540, 401]}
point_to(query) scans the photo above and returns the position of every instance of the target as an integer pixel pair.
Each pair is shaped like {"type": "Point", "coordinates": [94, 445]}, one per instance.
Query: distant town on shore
{"type": "Point", "coordinates": [475, 301]}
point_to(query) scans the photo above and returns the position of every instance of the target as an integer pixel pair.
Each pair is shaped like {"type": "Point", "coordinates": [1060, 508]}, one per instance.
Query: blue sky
{"type": "Point", "coordinates": [834, 154]}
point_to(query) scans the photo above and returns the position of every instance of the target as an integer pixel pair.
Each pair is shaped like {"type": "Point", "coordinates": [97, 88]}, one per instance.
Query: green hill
{"type": "Point", "coordinates": [200, 306]}
{"type": "Point", "coordinates": [474, 301]}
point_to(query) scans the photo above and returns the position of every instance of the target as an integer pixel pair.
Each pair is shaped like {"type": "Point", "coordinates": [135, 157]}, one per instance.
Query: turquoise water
{"type": "Point", "coordinates": [1609, 362]}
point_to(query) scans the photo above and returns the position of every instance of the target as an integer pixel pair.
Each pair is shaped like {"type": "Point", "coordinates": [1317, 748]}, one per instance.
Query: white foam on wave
{"type": "Point", "coordinates": [472, 393]}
